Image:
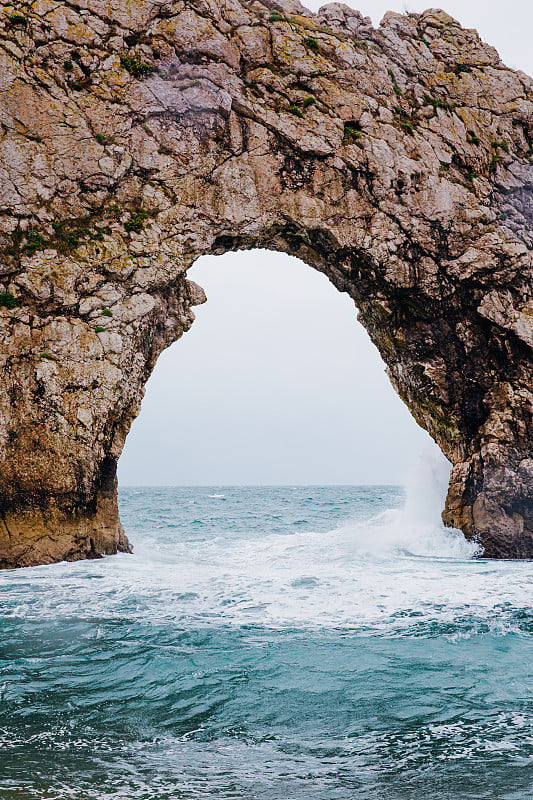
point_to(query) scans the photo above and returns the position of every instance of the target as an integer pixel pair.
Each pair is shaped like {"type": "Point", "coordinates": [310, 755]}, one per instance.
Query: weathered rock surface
{"type": "Point", "coordinates": [137, 136]}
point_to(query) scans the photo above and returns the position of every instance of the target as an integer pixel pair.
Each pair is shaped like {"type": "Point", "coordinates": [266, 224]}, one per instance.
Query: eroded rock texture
{"type": "Point", "coordinates": [137, 136]}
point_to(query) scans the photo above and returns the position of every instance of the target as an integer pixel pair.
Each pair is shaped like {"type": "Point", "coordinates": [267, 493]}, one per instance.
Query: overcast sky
{"type": "Point", "coordinates": [277, 383]}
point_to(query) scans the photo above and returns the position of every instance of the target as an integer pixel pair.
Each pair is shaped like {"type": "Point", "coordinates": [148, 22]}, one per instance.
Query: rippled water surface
{"type": "Point", "coordinates": [269, 644]}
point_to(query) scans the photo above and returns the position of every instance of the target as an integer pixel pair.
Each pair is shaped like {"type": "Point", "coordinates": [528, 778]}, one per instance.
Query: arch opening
{"type": "Point", "coordinates": [276, 383]}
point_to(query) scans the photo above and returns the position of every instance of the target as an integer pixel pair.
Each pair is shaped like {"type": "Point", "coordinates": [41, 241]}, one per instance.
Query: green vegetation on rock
{"type": "Point", "coordinates": [7, 301]}
{"type": "Point", "coordinates": [19, 20]}
{"type": "Point", "coordinates": [408, 128]}
{"type": "Point", "coordinates": [136, 223]}
{"type": "Point", "coordinates": [136, 66]}
{"type": "Point", "coordinates": [296, 110]}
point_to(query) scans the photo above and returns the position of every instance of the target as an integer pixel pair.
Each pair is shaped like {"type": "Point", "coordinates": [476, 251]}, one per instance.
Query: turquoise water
{"type": "Point", "coordinates": [270, 644]}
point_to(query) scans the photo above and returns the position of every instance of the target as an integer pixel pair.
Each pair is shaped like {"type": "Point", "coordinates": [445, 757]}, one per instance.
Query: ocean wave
{"type": "Point", "coordinates": [243, 654]}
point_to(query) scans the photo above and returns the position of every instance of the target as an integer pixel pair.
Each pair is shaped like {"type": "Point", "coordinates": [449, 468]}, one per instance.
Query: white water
{"type": "Point", "coordinates": [388, 573]}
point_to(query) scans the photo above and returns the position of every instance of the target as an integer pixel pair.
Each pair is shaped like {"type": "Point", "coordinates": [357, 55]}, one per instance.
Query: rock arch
{"type": "Point", "coordinates": [138, 136]}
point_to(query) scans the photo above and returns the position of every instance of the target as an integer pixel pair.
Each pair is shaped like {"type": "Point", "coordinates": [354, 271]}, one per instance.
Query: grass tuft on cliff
{"type": "Point", "coordinates": [137, 222]}
{"type": "Point", "coordinates": [312, 44]}
{"type": "Point", "coordinates": [136, 66]}
{"type": "Point", "coordinates": [7, 301]}
{"type": "Point", "coordinates": [18, 20]}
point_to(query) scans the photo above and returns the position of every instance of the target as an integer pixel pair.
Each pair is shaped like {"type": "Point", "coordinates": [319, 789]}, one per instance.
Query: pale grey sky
{"type": "Point", "coordinates": [277, 383]}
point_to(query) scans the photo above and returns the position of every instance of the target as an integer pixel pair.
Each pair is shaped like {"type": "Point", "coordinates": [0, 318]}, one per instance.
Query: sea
{"type": "Point", "coordinates": [271, 643]}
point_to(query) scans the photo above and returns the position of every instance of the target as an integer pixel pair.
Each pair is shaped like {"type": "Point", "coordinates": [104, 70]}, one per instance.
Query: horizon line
{"type": "Point", "coordinates": [260, 485]}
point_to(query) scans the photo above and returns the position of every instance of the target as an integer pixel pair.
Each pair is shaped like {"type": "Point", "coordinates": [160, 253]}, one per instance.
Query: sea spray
{"type": "Point", "coordinates": [415, 528]}
{"type": "Point", "coordinates": [426, 487]}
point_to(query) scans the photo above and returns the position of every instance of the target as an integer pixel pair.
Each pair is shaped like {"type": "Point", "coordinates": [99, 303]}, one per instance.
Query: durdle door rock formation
{"type": "Point", "coordinates": [137, 136]}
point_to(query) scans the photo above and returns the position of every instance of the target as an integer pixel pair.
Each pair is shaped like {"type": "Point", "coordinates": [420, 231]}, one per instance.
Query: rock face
{"type": "Point", "coordinates": [137, 136]}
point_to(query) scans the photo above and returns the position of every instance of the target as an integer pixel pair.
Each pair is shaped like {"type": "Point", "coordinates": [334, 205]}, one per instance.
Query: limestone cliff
{"type": "Point", "coordinates": [137, 136]}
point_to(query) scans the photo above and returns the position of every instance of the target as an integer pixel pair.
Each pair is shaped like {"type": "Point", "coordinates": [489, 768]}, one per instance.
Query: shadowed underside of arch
{"type": "Point", "coordinates": [139, 136]}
